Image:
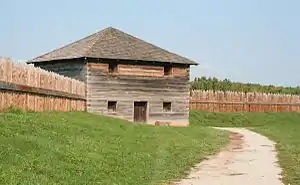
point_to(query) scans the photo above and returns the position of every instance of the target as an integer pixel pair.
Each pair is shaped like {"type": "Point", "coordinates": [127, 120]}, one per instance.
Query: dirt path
{"type": "Point", "coordinates": [249, 159]}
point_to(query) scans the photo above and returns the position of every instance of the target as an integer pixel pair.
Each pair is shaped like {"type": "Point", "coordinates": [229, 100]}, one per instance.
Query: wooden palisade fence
{"type": "Point", "coordinates": [229, 101]}
{"type": "Point", "coordinates": [34, 89]}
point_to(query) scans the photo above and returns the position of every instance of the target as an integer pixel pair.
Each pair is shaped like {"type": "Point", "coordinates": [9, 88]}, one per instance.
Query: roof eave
{"type": "Point", "coordinates": [60, 59]}
{"type": "Point", "coordinates": [51, 60]}
{"type": "Point", "coordinates": [195, 64]}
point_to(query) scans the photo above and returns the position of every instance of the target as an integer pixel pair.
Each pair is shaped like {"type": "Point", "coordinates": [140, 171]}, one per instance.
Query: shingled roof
{"type": "Point", "coordinates": [112, 43]}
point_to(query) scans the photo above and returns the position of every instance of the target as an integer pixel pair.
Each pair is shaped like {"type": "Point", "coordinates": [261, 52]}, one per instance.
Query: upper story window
{"type": "Point", "coordinates": [167, 70]}
{"type": "Point", "coordinates": [112, 67]}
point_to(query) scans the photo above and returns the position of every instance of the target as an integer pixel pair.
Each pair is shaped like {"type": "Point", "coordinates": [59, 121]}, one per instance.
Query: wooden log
{"type": "Point", "coordinates": [8, 86]}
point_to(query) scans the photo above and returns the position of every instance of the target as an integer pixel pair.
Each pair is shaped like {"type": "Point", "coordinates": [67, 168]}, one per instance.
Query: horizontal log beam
{"type": "Point", "coordinates": [8, 86]}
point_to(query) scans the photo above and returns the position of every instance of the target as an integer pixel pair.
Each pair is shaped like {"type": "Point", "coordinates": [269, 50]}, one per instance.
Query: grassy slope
{"type": "Point", "coordinates": [81, 148]}
{"type": "Point", "coordinates": [284, 128]}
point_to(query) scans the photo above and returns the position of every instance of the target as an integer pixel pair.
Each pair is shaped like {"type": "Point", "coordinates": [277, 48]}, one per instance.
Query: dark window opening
{"type": "Point", "coordinates": [167, 70]}
{"type": "Point", "coordinates": [112, 67]}
{"type": "Point", "coordinates": [167, 106]}
{"type": "Point", "coordinates": [112, 106]}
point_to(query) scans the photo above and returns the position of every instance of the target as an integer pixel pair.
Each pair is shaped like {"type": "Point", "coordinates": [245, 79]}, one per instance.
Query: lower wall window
{"type": "Point", "coordinates": [112, 106]}
{"type": "Point", "coordinates": [167, 106]}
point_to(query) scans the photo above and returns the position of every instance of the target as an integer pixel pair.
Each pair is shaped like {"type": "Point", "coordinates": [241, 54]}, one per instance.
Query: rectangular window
{"type": "Point", "coordinates": [167, 70]}
{"type": "Point", "coordinates": [112, 106]}
{"type": "Point", "coordinates": [167, 106]}
{"type": "Point", "coordinates": [112, 67]}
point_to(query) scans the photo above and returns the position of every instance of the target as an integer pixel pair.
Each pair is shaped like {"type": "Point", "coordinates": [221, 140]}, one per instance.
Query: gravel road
{"type": "Point", "coordinates": [249, 159]}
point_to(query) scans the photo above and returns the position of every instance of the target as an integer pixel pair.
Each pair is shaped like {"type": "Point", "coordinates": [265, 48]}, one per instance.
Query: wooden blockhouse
{"type": "Point", "coordinates": [126, 77]}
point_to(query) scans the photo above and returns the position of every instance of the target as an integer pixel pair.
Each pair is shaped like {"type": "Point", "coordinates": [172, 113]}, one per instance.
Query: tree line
{"type": "Point", "coordinates": [212, 83]}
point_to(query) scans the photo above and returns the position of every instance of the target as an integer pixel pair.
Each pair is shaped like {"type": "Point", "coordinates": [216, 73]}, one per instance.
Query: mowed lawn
{"type": "Point", "coordinates": [283, 128]}
{"type": "Point", "coordinates": [82, 148]}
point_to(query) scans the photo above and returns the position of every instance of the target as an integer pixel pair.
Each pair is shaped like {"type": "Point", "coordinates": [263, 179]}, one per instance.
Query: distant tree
{"type": "Point", "coordinates": [212, 83]}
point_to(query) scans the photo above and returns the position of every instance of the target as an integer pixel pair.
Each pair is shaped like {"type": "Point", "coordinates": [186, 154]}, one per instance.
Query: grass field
{"type": "Point", "coordinates": [81, 148]}
{"type": "Point", "coordinates": [284, 128]}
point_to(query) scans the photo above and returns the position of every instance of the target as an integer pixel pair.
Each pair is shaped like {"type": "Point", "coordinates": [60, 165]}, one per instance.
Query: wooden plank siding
{"type": "Point", "coordinates": [138, 83]}
{"type": "Point", "coordinates": [129, 83]}
{"type": "Point", "coordinates": [34, 89]}
{"type": "Point", "coordinates": [37, 102]}
{"type": "Point", "coordinates": [140, 70]}
{"type": "Point", "coordinates": [228, 101]}
{"type": "Point", "coordinates": [75, 69]}
{"type": "Point", "coordinates": [180, 71]}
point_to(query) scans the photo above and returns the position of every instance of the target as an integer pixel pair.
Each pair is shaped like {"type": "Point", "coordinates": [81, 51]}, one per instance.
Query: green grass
{"type": "Point", "coordinates": [81, 148]}
{"type": "Point", "coordinates": [283, 128]}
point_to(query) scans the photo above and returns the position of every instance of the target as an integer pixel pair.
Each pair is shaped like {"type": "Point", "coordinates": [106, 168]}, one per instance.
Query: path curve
{"type": "Point", "coordinates": [249, 159]}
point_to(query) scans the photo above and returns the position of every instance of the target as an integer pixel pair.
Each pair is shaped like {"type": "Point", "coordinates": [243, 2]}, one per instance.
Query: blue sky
{"type": "Point", "coordinates": [248, 41]}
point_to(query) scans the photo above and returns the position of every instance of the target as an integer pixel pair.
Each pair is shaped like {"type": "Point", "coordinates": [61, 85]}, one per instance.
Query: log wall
{"type": "Point", "coordinates": [140, 70]}
{"type": "Point", "coordinates": [138, 83]}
